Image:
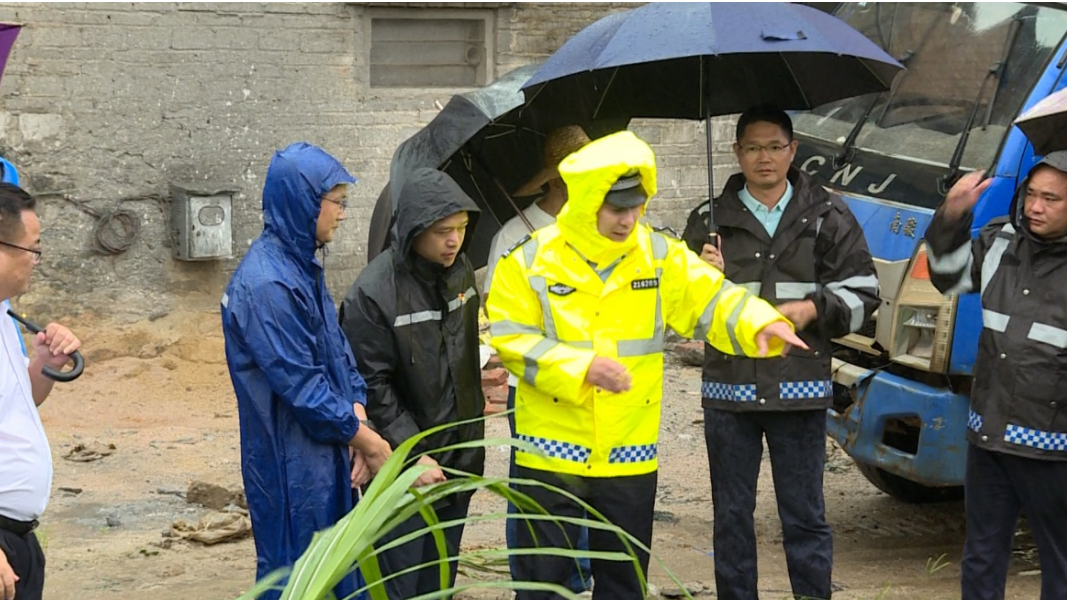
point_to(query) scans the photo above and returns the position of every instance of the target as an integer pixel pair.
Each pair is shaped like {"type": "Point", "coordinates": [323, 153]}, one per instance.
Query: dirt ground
{"type": "Point", "coordinates": [159, 392]}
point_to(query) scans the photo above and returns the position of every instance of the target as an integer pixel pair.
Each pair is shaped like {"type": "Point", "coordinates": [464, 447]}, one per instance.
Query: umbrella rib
{"type": "Point", "coordinates": [603, 95]}
{"type": "Point", "coordinates": [795, 80]}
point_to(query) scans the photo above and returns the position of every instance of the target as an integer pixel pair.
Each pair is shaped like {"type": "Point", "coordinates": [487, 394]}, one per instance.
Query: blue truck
{"type": "Point", "coordinates": [902, 383]}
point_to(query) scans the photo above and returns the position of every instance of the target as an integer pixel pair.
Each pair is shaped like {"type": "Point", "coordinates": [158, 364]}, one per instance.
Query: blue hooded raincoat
{"type": "Point", "coordinates": [292, 369]}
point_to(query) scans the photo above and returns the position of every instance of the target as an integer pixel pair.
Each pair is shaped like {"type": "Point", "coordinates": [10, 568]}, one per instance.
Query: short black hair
{"type": "Point", "coordinates": [13, 201]}
{"type": "Point", "coordinates": [768, 113]}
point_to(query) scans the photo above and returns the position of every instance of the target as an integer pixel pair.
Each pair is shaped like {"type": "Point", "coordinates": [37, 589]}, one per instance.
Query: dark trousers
{"type": "Point", "coordinates": [26, 558]}
{"type": "Point", "coordinates": [627, 502]}
{"type": "Point", "coordinates": [997, 487]}
{"type": "Point", "coordinates": [579, 581]}
{"type": "Point", "coordinates": [420, 550]}
{"type": "Point", "coordinates": [797, 442]}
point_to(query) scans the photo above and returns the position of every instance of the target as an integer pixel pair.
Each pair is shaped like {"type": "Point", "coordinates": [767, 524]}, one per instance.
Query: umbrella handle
{"type": "Point", "coordinates": [50, 372]}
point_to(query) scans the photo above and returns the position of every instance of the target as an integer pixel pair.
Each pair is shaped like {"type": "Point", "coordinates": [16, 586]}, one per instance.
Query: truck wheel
{"type": "Point", "coordinates": [908, 491]}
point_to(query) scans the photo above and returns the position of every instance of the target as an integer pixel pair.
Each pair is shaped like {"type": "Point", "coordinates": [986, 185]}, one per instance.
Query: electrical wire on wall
{"type": "Point", "coordinates": [115, 230]}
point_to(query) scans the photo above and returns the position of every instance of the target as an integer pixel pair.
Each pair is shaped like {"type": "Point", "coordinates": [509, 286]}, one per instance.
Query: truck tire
{"type": "Point", "coordinates": [908, 491]}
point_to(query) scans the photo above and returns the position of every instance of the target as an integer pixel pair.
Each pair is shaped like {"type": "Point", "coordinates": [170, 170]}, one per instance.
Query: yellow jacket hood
{"type": "Point", "coordinates": [589, 173]}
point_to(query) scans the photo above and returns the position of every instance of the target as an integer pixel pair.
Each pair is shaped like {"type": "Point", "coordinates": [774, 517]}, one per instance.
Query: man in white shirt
{"type": "Point", "coordinates": [542, 212]}
{"type": "Point", "coordinates": [25, 458]}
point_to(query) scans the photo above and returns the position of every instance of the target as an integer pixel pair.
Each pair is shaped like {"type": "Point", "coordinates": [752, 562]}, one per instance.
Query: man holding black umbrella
{"type": "Point", "coordinates": [1017, 433]}
{"type": "Point", "coordinates": [25, 458]}
{"type": "Point", "coordinates": [789, 241]}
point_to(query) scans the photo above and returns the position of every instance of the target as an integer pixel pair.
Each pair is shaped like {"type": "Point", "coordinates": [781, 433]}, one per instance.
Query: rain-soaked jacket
{"type": "Point", "coordinates": [550, 314]}
{"type": "Point", "coordinates": [292, 369]}
{"type": "Point", "coordinates": [818, 253]}
{"type": "Point", "coordinates": [1020, 374]}
{"type": "Point", "coordinates": [413, 326]}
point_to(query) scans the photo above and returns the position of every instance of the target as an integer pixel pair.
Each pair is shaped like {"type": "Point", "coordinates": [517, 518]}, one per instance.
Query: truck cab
{"type": "Point", "coordinates": [902, 382]}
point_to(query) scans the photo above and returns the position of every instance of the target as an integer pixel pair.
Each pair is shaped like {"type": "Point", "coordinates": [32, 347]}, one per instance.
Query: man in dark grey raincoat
{"type": "Point", "coordinates": [1017, 432]}
{"type": "Point", "coordinates": [412, 320]}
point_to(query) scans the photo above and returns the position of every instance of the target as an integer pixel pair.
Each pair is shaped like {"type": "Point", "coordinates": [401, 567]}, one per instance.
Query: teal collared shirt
{"type": "Point", "coordinates": [770, 218]}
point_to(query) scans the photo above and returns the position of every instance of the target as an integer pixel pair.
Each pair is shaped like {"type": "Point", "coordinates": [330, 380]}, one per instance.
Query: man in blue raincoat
{"type": "Point", "coordinates": [300, 398]}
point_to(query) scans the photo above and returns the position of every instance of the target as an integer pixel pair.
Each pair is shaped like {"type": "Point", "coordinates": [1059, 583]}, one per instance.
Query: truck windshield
{"type": "Point", "coordinates": [967, 64]}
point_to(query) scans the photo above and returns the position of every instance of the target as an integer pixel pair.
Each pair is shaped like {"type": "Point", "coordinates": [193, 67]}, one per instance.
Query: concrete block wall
{"type": "Point", "coordinates": [103, 106]}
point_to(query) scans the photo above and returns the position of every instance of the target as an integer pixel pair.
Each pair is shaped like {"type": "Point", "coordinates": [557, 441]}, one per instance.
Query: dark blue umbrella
{"type": "Point", "coordinates": [698, 60]}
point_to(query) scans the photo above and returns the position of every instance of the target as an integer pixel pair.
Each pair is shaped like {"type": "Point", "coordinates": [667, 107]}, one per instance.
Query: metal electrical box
{"type": "Point", "coordinates": [202, 221]}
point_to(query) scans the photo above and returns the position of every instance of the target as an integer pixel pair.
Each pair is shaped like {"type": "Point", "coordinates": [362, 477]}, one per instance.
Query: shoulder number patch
{"type": "Point", "coordinates": [640, 285]}
{"type": "Point", "coordinates": [561, 290]}
{"type": "Point", "coordinates": [521, 242]}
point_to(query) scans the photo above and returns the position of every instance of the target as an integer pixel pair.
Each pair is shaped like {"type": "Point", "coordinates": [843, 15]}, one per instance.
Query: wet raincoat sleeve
{"type": "Point", "coordinates": [280, 340]}
{"type": "Point", "coordinates": [364, 323]}
{"type": "Point", "coordinates": [516, 327]}
{"type": "Point", "coordinates": [846, 292]}
{"type": "Point", "coordinates": [955, 260]}
{"type": "Point", "coordinates": [700, 303]}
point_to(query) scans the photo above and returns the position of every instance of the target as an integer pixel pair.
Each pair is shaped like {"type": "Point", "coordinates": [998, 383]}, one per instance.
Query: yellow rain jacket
{"type": "Point", "coordinates": [550, 314]}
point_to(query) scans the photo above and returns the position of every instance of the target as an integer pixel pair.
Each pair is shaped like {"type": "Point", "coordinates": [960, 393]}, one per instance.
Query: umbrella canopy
{"type": "Point", "coordinates": [697, 60]}
{"type": "Point", "coordinates": [478, 141]}
{"type": "Point", "coordinates": [1045, 124]}
{"type": "Point", "coordinates": [692, 60]}
{"type": "Point", "coordinates": [8, 33]}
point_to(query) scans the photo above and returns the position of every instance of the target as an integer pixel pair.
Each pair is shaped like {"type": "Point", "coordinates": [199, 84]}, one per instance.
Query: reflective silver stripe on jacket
{"type": "Point", "coordinates": [539, 286]}
{"type": "Point", "coordinates": [432, 314]}
{"type": "Point", "coordinates": [639, 347]}
{"type": "Point", "coordinates": [703, 327]}
{"type": "Point", "coordinates": [792, 290]}
{"type": "Point", "coordinates": [1050, 335]}
{"type": "Point", "coordinates": [996, 252]}
{"type": "Point", "coordinates": [994, 320]}
{"type": "Point", "coordinates": [653, 344]}
{"type": "Point", "coordinates": [731, 324]}
{"type": "Point", "coordinates": [529, 251]}
{"type": "Point", "coordinates": [752, 287]}
{"type": "Point", "coordinates": [530, 357]}
{"type": "Point", "coordinates": [505, 327]}
{"type": "Point", "coordinates": [462, 299]}
{"type": "Point", "coordinates": [842, 290]}
{"type": "Point", "coordinates": [415, 318]}
{"type": "Point", "coordinates": [960, 261]}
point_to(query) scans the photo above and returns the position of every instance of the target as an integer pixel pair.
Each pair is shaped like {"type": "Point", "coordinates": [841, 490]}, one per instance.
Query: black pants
{"type": "Point", "coordinates": [26, 558]}
{"type": "Point", "coordinates": [996, 488]}
{"type": "Point", "coordinates": [797, 442]}
{"type": "Point", "coordinates": [422, 549]}
{"type": "Point", "coordinates": [627, 502]}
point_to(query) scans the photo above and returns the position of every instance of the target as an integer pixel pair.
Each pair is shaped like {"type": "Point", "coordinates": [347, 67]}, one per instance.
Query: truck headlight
{"type": "Point", "coordinates": [923, 320]}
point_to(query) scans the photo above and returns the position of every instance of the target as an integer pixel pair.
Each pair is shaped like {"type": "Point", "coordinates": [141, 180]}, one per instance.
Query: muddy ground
{"type": "Point", "coordinates": [159, 392]}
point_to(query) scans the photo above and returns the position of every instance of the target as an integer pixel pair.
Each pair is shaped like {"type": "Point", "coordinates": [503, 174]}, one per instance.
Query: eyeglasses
{"type": "Point", "coordinates": [35, 252]}
{"type": "Point", "coordinates": [342, 202]}
{"type": "Point", "coordinates": [753, 150]}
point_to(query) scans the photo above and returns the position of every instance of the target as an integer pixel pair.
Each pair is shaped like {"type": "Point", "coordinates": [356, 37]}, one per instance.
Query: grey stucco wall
{"type": "Point", "coordinates": [107, 104]}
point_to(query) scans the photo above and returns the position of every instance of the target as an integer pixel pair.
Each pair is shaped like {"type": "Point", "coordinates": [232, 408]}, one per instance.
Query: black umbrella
{"type": "Point", "coordinates": [478, 140]}
{"type": "Point", "coordinates": [52, 373]}
{"type": "Point", "coordinates": [698, 60]}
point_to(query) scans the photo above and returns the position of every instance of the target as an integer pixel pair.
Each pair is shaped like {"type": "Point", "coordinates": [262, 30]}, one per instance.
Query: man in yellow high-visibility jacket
{"type": "Point", "coordinates": [579, 311]}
